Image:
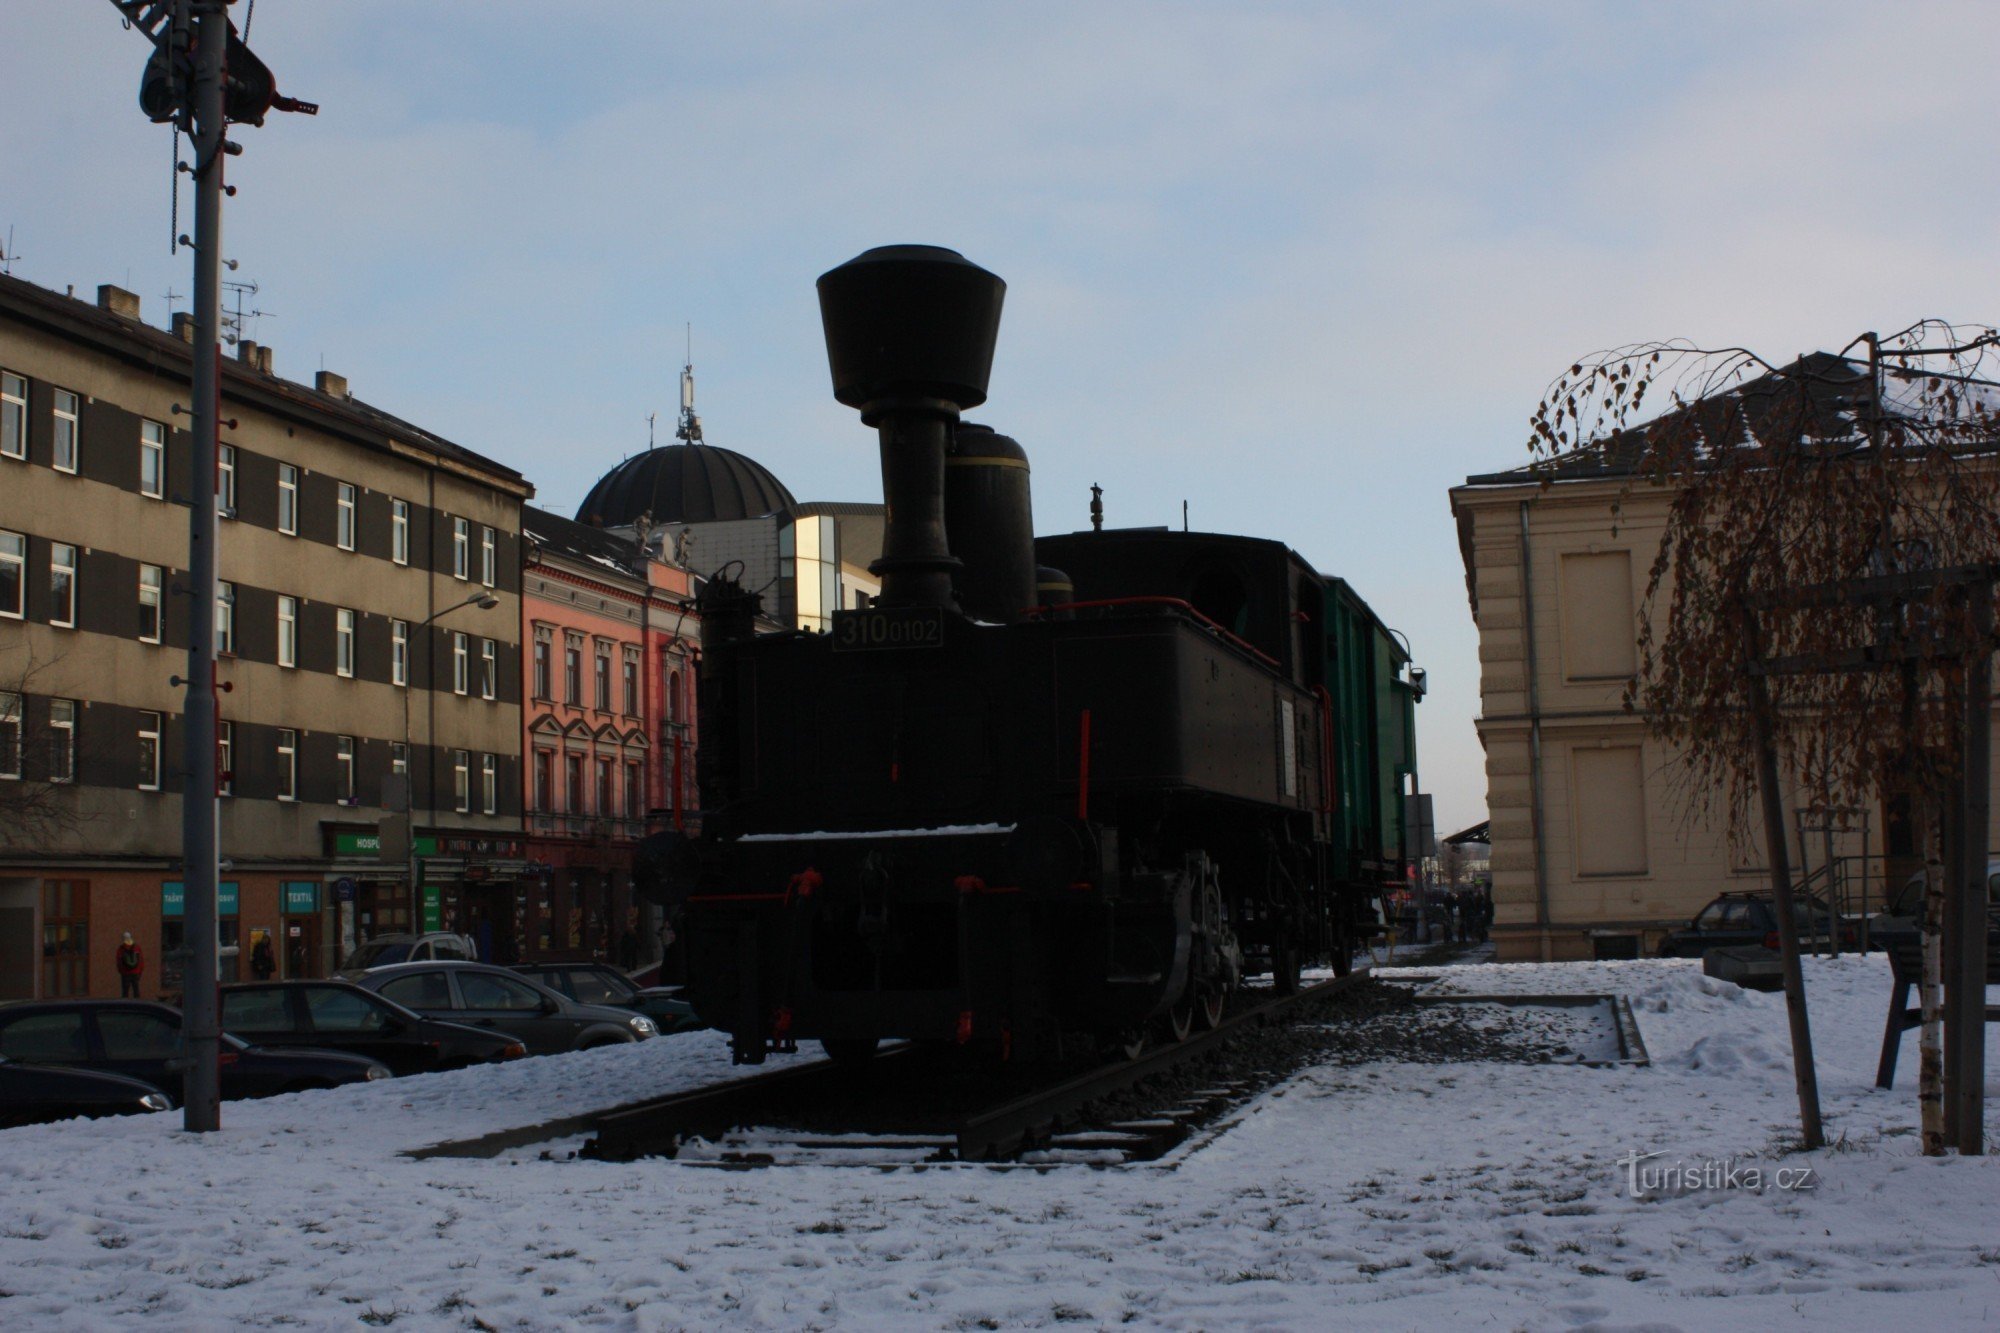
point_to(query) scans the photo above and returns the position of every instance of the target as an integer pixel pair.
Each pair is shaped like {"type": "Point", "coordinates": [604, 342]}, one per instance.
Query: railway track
{"type": "Point", "coordinates": [741, 1123]}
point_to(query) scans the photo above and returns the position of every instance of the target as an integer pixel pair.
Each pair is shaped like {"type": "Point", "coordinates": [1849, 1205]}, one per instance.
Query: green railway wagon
{"type": "Point", "coordinates": [1375, 731]}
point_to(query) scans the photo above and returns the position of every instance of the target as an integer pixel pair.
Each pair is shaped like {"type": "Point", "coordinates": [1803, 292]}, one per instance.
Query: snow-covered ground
{"type": "Point", "coordinates": [1379, 1196]}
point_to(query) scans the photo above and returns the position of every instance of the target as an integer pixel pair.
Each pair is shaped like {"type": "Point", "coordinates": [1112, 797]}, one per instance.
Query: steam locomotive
{"type": "Point", "coordinates": [1041, 791]}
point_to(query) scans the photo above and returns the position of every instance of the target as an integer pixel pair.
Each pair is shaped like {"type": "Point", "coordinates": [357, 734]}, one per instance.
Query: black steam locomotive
{"type": "Point", "coordinates": [1038, 792]}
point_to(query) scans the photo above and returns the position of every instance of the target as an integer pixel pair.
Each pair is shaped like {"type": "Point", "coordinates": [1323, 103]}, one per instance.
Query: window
{"type": "Point", "coordinates": [545, 763]}
{"type": "Point", "coordinates": [288, 764]}
{"type": "Point", "coordinates": [10, 735]}
{"type": "Point", "coordinates": [225, 480]}
{"type": "Point", "coordinates": [461, 548]}
{"type": "Point", "coordinates": [631, 683]}
{"type": "Point", "coordinates": [604, 806]}
{"type": "Point", "coordinates": [461, 781]}
{"type": "Point", "coordinates": [399, 531]}
{"type": "Point", "coordinates": [288, 499]}
{"type": "Point", "coordinates": [461, 665]}
{"type": "Point", "coordinates": [65, 440]}
{"type": "Point", "coordinates": [573, 782]}
{"type": "Point", "coordinates": [138, 1034]}
{"type": "Point", "coordinates": [48, 1039]}
{"type": "Point", "coordinates": [151, 582]}
{"type": "Point", "coordinates": [225, 617]}
{"type": "Point", "coordinates": [13, 416]}
{"type": "Point", "coordinates": [225, 758]}
{"type": "Point", "coordinates": [62, 740]}
{"type": "Point", "coordinates": [13, 574]}
{"type": "Point", "coordinates": [149, 752]}
{"type": "Point", "coordinates": [634, 798]}
{"type": "Point", "coordinates": [489, 783]}
{"type": "Point", "coordinates": [541, 668]}
{"type": "Point", "coordinates": [603, 678]}
{"type": "Point", "coordinates": [62, 585]}
{"type": "Point", "coordinates": [65, 942]}
{"type": "Point", "coordinates": [1607, 786]}
{"type": "Point", "coordinates": [489, 670]}
{"type": "Point", "coordinates": [483, 990]}
{"type": "Point", "coordinates": [266, 1009]}
{"type": "Point", "coordinates": [1600, 630]}
{"type": "Point", "coordinates": [153, 460]}
{"type": "Point", "coordinates": [399, 652]}
{"type": "Point", "coordinates": [425, 992]}
{"type": "Point", "coordinates": [334, 1009]}
{"type": "Point", "coordinates": [572, 671]}
{"type": "Point", "coordinates": [343, 761]}
{"type": "Point", "coordinates": [343, 642]}
{"type": "Point", "coordinates": [399, 757]}
{"type": "Point", "coordinates": [343, 528]}
{"type": "Point", "coordinates": [288, 631]}
{"type": "Point", "coordinates": [487, 564]}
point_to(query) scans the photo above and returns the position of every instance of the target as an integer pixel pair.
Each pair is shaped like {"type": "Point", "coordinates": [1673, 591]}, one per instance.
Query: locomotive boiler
{"type": "Point", "coordinates": [1038, 793]}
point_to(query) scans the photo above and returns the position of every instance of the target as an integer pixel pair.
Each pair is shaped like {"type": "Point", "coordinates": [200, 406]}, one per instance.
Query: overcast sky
{"type": "Point", "coordinates": [1304, 266]}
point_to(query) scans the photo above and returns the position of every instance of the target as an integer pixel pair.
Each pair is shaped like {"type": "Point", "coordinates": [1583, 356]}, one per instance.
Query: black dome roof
{"type": "Point", "coordinates": [684, 483]}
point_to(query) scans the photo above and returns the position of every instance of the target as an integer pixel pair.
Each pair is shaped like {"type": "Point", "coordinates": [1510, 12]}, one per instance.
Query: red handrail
{"type": "Point", "coordinates": [1179, 603]}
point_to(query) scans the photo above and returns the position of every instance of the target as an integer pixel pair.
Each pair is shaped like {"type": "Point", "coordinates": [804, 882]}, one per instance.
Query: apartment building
{"type": "Point", "coordinates": [368, 627]}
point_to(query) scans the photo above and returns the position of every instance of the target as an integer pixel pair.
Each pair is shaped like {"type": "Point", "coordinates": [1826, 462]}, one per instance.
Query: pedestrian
{"type": "Point", "coordinates": [131, 963]}
{"type": "Point", "coordinates": [262, 963]}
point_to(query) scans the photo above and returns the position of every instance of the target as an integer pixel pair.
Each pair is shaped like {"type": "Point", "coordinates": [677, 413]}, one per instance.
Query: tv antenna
{"type": "Point", "coordinates": [690, 427]}
{"type": "Point", "coordinates": [8, 255]}
{"type": "Point", "coordinates": [235, 323]}
{"type": "Point", "coordinates": [651, 417]}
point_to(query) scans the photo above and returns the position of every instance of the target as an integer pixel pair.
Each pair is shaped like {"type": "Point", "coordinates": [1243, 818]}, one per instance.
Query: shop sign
{"type": "Point", "coordinates": [465, 846]}
{"type": "Point", "coordinates": [433, 908]}
{"type": "Point", "coordinates": [301, 896]}
{"type": "Point", "coordinates": [173, 898]}
{"type": "Point", "coordinates": [358, 844]}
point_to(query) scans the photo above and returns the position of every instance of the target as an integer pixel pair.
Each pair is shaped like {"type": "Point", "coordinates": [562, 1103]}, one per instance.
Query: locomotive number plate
{"type": "Point", "coordinates": [888, 627]}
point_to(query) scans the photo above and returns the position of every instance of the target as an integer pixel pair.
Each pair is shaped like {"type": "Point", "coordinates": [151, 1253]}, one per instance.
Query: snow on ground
{"type": "Point", "coordinates": [1376, 1195]}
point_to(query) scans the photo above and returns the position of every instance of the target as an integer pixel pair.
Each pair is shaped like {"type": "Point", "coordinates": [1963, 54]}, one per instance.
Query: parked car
{"type": "Point", "coordinates": [1905, 911]}
{"type": "Point", "coordinates": [601, 983]}
{"type": "Point", "coordinates": [546, 1021]}
{"type": "Point", "coordinates": [340, 1016]}
{"type": "Point", "coordinates": [1735, 920]}
{"type": "Point", "coordinates": [386, 949]}
{"type": "Point", "coordinates": [36, 1094]}
{"type": "Point", "coordinates": [142, 1040]}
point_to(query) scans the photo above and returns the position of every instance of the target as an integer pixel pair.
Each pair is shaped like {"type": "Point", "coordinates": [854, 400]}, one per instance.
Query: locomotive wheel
{"type": "Point", "coordinates": [1208, 1010]}
{"type": "Point", "coordinates": [1179, 1020]}
{"type": "Point", "coordinates": [1285, 968]}
{"type": "Point", "coordinates": [850, 1050]}
{"type": "Point", "coordinates": [1132, 1045]}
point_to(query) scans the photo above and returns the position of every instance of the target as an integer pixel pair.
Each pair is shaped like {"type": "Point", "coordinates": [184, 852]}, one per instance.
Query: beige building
{"type": "Point", "coordinates": [356, 550]}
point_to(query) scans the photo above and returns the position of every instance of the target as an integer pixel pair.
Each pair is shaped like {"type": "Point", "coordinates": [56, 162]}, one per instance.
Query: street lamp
{"type": "Point", "coordinates": [485, 601]}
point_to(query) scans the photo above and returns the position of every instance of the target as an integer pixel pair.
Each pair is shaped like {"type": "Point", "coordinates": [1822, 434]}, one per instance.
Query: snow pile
{"type": "Point", "coordinates": [1384, 1195]}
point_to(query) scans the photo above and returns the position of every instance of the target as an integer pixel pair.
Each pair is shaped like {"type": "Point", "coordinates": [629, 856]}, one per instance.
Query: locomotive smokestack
{"type": "Point", "coordinates": [909, 337]}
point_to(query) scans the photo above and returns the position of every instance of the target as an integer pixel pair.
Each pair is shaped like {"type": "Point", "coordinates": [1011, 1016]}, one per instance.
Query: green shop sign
{"type": "Point", "coordinates": [433, 908]}
{"type": "Point", "coordinates": [173, 898]}
{"type": "Point", "coordinates": [301, 896]}
{"type": "Point", "coordinates": [357, 844]}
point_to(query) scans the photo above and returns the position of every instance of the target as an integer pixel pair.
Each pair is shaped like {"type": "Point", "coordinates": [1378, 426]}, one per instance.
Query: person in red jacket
{"type": "Point", "coordinates": [131, 963]}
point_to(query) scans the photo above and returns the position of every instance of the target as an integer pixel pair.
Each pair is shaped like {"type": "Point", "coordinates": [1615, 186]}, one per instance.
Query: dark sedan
{"type": "Point", "coordinates": [338, 1016]}
{"type": "Point", "coordinates": [600, 983]}
{"type": "Point", "coordinates": [546, 1021]}
{"type": "Point", "coordinates": [1749, 920]}
{"type": "Point", "coordinates": [143, 1040]}
{"type": "Point", "coordinates": [36, 1094]}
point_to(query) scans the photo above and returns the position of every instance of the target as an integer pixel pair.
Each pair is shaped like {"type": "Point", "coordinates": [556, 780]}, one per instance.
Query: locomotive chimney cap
{"type": "Point", "coordinates": [910, 321]}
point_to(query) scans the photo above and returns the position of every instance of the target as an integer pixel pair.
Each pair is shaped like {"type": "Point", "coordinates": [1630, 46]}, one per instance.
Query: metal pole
{"type": "Point", "coordinates": [1969, 904]}
{"type": "Point", "coordinates": [203, 1112]}
{"type": "Point", "coordinates": [1781, 891]}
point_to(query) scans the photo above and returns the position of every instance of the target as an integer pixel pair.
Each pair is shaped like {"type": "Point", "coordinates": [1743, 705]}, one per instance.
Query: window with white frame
{"type": "Point", "coordinates": [489, 783]}
{"type": "Point", "coordinates": [67, 406]}
{"type": "Point", "coordinates": [288, 499]}
{"type": "Point", "coordinates": [488, 566]}
{"type": "Point", "coordinates": [461, 548]}
{"type": "Point", "coordinates": [343, 763]}
{"type": "Point", "coordinates": [62, 740]}
{"type": "Point", "coordinates": [288, 764]}
{"type": "Point", "coordinates": [399, 531]}
{"type": "Point", "coordinates": [461, 781]}
{"type": "Point", "coordinates": [399, 652]}
{"type": "Point", "coordinates": [399, 757]}
{"type": "Point", "coordinates": [288, 631]}
{"type": "Point", "coordinates": [225, 758]}
{"type": "Point", "coordinates": [489, 670]}
{"type": "Point", "coordinates": [152, 582]}
{"type": "Point", "coordinates": [10, 735]}
{"type": "Point", "coordinates": [62, 585]}
{"type": "Point", "coordinates": [13, 574]}
{"type": "Point", "coordinates": [343, 527]}
{"type": "Point", "coordinates": [149, 752]}
{"type": "Point", "coordinates": [225, 617]}
{"type": "Point", "coordinates": [461, 664]}
{"type": "Point", "coordinates": [343, 642]}
{"type": "Point", "coordinates": [542, 649]}
{"type": "Point", "coordinates": [153, 460]}
{"type": "Point", "coordinates": [13, 415]}
{"type": "Point", "coordinates": [225, 480]}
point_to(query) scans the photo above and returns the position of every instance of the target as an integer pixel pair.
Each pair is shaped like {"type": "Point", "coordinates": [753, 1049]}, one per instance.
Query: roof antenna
{"type": "Point", "coordinates": [8, 256]}
{"type": "Point", "coordinates": [651, 417]}
{"type": "Point", "coordinates": [1096, 507]}
{"type": "Point", "coordinates": [1184, 527]}
{"type": "Point", "coordinates": [690, 427]}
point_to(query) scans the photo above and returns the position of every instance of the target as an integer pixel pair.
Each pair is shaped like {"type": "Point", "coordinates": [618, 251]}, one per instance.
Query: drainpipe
{"type": "Point", "coordinates": [1537, 824]}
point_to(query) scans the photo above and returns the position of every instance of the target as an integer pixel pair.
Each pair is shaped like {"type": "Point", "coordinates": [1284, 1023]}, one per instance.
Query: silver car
{"type": "Point", "coordinates": [481, 996]}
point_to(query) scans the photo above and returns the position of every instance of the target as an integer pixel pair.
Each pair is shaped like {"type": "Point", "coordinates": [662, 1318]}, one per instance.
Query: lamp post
{"type": "Point", "coordinates": [485, 601]}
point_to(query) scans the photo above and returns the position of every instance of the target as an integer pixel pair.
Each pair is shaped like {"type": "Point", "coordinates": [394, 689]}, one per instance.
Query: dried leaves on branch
{"type": "Point", "coordinates": [1880, 459]}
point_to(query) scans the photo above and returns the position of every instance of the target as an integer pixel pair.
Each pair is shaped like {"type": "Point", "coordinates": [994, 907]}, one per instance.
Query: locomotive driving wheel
{"type": "Point", "coordinates": [1209, 1006]}
{"type": "Point", "coordinates": [1180, 1016]}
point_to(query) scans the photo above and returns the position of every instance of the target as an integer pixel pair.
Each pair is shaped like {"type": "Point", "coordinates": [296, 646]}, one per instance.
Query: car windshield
{"type": "Point", "coordinates": [380, 953]}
